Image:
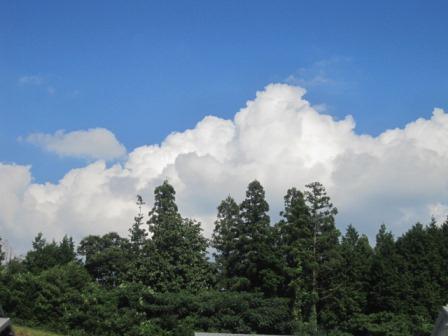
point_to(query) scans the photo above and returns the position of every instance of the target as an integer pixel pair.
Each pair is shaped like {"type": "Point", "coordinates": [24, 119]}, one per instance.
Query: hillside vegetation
{"type": "Point", "coordinates": [297, 275]}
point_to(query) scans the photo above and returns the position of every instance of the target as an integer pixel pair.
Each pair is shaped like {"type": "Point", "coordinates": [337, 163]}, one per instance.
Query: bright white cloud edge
{"type": "Point", "coordinates": [398, 177]}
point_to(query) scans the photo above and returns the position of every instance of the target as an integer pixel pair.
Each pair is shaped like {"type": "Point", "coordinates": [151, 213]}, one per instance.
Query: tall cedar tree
{"type": "Point", "coordinates": [352, 279]}
{"type": "Point", "coordinates": [179, 249]}
{"type": "Point", "coordinates": [323, 257]}
{"type": "Point", "coordinates": [257, 262]}
{"type": "Point", "coordinates": [293, 233]}
{"type": "Point", "coordinates": [386, 281]}
{"type": "Point", "coordinates": [224, 239]}
{"type": "Point", "coordinates": [423, 263]}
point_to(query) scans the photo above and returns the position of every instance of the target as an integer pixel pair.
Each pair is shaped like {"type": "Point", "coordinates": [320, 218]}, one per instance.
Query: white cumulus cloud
{"type": "Point", "coordinates": [398, 177]}
{"type": "Point", "coordinates": [95, 143]}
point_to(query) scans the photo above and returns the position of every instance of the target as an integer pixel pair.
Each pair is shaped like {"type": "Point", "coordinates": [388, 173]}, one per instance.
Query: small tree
{"type": "Point", "coordinates": [137, 234]}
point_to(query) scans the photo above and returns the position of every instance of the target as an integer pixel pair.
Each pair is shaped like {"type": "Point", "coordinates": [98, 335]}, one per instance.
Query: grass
{"type": "Point", "coordinates": [25, 331]}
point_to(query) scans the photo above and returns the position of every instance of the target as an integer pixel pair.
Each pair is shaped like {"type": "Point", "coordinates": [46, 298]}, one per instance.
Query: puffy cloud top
{"type": "Point", "coordinates": [95, 143]}
{"type": "Point", "coordinates": [398, 177]}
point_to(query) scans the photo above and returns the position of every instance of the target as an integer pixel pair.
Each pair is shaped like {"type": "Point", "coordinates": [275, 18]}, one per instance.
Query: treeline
{"type": "Point", "coordinates": [297, 276]}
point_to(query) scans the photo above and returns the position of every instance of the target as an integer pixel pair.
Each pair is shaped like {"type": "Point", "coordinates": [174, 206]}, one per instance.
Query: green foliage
{"type": "Point", "coordinates": [292, 235]}
{"type": "Point", "coordinates": [382, 324]}
{"type": "Point", "coordinates": [351, 281]}
{"type": "Point", "coordinates": [46, 255]}
{"type": "Point", "coordinates": [224, 240]}
{"type": "Point", "coordinates": [138, 235]}
{"type": "Point", "coordinates": [140, 249]}
{"type": "Point", "coordinates": [106, 258]}
{"type": "Point", "coordinates": [42, 299]}
{"type": "Point", "coordinates": [219, 311]}
{"type": "Point", "coordinates": [387, 280]}
{"type": "Point", "coordinates": [103, 311]}
{"type": "Point", "coordinates": [149, 328]}
{"type": "Point", "coordinates": [254, 265]}
{"type": "Point", "coordinates": [422, 267]}
{"type": "Point", "coordinates": [178, 259]}
{"type": "Point", "coordinates": [322, 260]}
{"type": "Point", "coordinates": [297, 277]}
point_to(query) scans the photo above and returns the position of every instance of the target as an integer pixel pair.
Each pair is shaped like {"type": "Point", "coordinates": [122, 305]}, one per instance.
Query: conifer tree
{"type": "Point", "coordinates": [352, 278]}
{"type": "Point", "coordinates": [419, 249]}
{"type": "Point", "coordinates": [443, 252]}
{"type": "Point", "coordinates": [256, 258]}
{"type": "Point", "coordinates": [224, 239]}
{"type": "Point", "coordinates": [323, 257]}
{"type": "Point", "coordinates": [292, 232]}
{"type": "Point", "coordinates": [66, 250]}
{"type": "Point", "coordinates": [140, 248]}
{"type": "Point", "coordinates": [137, 234]}
{"type": "Point", "coordinates": [179, 249]}
{"type": "Point", "coordinates": [386, 282]}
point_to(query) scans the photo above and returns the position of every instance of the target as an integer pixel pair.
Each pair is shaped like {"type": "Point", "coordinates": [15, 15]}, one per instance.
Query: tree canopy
{"type": "Point", "coordinates": [297, 275]}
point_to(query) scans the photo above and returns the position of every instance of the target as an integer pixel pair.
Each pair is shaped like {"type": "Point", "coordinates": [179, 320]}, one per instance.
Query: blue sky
{"type": "Point", "coordinates": [144, 69]}
{"type": "Point", "coordinates": [88, 89]}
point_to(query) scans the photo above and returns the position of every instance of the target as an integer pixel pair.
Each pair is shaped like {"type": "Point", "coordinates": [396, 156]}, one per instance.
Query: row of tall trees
{"type": "Point", "coordinates": [299, 275]}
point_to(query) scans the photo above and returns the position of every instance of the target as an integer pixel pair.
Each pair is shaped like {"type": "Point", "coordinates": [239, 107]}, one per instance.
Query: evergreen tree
{"type": "Point", "coordinates": [419, 249]}
{"type": "Point", "coordinates": [323, 256]}
{"type": "Point", "coordinates": [386, 282]}
{"type": "Point", "coordinates": [443, 252]}
{"type": "Point", "coordinates": [224, 239]}
{"type": "Point", "coordinates": [138, 235]}
{"type": "Point", "coordinates": [140, 249]}
{"type": "Point", "coordinates": [179, 249]}
{"type": "Point", "coordinates": [352, 279]}
{"type": "Point", "coordinates": [256, 264]}
{"type": "Point", "coordinates": [164, 218]}
{"type": "Point", "coordinates": [193, 263]}
{"type": "Point", "coordinates": [66, 251]}
{"type": "Point", "coordinates": [292, 232]}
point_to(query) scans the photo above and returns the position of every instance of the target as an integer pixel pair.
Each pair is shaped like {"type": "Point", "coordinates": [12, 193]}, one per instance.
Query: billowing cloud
{"type": "Point", "coordinates": [95, 143]}
{"type": "Point", "coordinates": [398, 177]}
